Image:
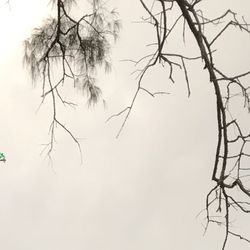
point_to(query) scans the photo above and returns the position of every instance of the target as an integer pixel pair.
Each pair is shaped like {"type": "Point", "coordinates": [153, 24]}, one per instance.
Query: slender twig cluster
{"type": "Point", "coordinates": [66, 50]}
{"type": "Point", "coordinates": [230, 170]}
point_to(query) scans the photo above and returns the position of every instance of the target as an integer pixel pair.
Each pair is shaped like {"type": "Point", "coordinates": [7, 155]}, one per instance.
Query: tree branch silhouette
{"type": "Point", "coordinates": [79, 46]}
{"type": "Point", "coordinates": [69, 51]}
{"type": "Point", "coordinates": [230, 171]}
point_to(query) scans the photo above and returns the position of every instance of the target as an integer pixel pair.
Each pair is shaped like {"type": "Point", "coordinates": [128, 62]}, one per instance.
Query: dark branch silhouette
{"type": "Point", "coordinates": [230, 171]}
{"type": "Point", "coordinates": [73, 49]}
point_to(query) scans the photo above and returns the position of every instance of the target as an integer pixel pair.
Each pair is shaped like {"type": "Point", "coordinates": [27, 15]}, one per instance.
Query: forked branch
{"type": "Point", "coordinates": [230, 170]}
{"type": "Point", "coordinates": [68, 51]}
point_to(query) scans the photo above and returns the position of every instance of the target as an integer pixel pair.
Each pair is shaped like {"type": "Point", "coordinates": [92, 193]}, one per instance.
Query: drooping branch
{"type": "Point", "coordinates": [230, 171]}
{"type": "Point", "coordinates": [69, 51]}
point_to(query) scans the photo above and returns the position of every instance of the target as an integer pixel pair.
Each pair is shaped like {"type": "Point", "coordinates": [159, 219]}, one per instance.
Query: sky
{"type": "Point", "coordinates": [141, 191]}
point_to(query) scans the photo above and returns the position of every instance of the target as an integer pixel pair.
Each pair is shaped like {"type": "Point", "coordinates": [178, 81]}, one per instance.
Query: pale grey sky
{"type": "Point", "coordinates": [141, 191]}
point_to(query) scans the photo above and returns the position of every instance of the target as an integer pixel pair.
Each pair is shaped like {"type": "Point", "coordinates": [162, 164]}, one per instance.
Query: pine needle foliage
{"type": "Point", "coordinates": [77, 46]}
{"type": "Point", "coordinates": [68, 50]}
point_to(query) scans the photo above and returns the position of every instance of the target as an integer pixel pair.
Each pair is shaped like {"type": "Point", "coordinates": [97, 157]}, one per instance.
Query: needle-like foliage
{"type": "Point", "coordinates": [74, 49]}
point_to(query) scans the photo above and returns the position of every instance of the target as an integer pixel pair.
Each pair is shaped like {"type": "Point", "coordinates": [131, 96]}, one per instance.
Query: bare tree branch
{"type": "Point", "coordinates": [228, 163]}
